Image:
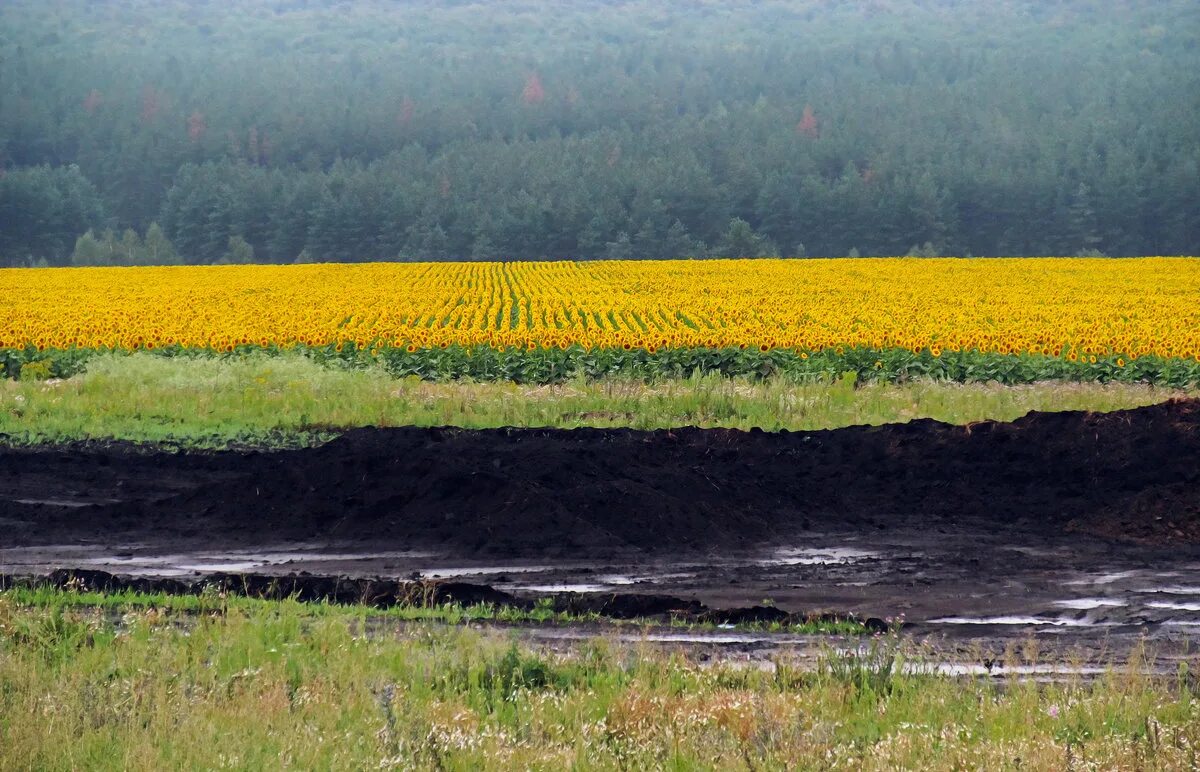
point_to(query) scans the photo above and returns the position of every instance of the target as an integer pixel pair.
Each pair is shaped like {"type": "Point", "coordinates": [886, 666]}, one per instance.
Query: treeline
{"type": "Point", "coordinates": [284, 130]}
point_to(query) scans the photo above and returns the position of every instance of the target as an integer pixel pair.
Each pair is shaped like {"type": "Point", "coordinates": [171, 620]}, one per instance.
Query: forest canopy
{"type": "Point", "coordinates": [148, 131]}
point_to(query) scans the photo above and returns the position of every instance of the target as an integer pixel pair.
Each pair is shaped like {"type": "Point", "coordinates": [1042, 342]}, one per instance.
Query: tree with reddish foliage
{"type": "Point", "coordinates": [534, 93]}
{"type": "Point", "coordinates": [264, 148]}
{"type": "Point", "coordinates": [93, 101]}
{"type": "Point", "coordinates": [808, 126]}
{"type": "Point", "coordinates": [408, 108]}
{"type": "Point", "coordinates": [196, 126]}
{"type": "Point", "coordinates": [151, 104]}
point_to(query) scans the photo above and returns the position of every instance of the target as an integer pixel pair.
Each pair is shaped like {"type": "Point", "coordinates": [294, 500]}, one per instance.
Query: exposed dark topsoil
{"type": "Point", "coordinates": [587, 492]}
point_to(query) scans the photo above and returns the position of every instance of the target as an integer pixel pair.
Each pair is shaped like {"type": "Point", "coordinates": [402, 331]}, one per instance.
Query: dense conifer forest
{"type": "Point", "coordinates": [279, 131]}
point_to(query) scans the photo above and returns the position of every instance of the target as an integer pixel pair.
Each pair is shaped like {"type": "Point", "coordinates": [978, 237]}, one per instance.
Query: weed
{"type": "Point", "coordinates": [271, 684]}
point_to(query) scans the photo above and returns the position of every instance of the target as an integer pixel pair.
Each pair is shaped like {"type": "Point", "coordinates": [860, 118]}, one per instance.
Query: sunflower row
{"type": "Point", "coordinates": [554, 365]}
{"type": "Point", "coordinates": [1076, 309]}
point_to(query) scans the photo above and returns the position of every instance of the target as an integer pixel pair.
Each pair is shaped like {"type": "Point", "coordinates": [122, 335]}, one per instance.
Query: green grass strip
{"type": "Point", "coordinates": [294, 399]}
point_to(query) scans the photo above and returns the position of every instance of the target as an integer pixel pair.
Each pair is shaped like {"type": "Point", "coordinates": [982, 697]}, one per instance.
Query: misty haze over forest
{"type": "Point", "coordinates": [308, 130]}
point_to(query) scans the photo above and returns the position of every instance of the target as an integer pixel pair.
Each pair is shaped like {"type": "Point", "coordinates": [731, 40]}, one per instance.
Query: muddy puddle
{"type": "Point", "coordinates": [964, 586]}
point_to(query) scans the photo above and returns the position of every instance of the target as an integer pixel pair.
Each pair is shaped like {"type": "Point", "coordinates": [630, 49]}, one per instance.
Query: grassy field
{"type": "Point", "coordinates": [283, 685]}
{"type": "Point", "coordinates": [290, 399]}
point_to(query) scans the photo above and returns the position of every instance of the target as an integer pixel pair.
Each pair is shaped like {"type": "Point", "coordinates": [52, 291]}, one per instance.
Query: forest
{"type": "Point", "coordinates": [234, 131]}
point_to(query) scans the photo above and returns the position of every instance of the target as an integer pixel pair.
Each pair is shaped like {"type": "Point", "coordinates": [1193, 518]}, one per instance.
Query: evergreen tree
{"type": "Point", "coordinates": [1082, 228]}
{"type": "Point", "coordinates": [482, 248]}
{"type": "Point", "coordinates": [620, 248]}
{"type": "Point", "coordinates": [951, 124]}
{"type": "Point", "coordinates": [678, 243]}
{"type": "Point", "coordinates": [740, 240]}
{"type": "Point", "coordinates": [43, 211]}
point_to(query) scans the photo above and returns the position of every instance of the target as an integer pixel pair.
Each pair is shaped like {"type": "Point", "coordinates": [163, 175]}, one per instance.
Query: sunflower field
{"type": "Point", "coordinates": [964, 319]}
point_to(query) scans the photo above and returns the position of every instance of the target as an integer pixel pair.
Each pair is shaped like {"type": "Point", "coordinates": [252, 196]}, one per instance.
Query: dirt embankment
{"type": "Point", "coordinates": [1127, 474]}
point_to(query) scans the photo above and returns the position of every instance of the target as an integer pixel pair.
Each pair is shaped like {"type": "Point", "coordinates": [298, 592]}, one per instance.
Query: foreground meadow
{"type": "Point", "coordinates": [967, 320]}
{"type": "Point", "coordinates": [277, 684]}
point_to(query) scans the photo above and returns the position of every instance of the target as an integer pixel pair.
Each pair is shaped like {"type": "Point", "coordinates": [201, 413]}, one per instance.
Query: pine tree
{"type": "Point", "coordinates": [678, 243]}
{"type": "Point", "coordinates": [740, 240]}
{"type": "Point", "coordinates": [482, 248]}
{"type": "Point", "coordinates": [620, 249]}
{"type": "Point", "coordinates": [1081, 222]}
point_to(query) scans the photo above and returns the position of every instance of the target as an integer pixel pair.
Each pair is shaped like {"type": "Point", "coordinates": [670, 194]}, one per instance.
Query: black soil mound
{"type": "Point", "coordinates": [1132, 473]}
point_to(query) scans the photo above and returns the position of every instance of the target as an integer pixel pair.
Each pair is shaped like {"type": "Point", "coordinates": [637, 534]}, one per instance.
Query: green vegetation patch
{"type": "Point", "coordinates": [543, 612]}
{"type": "Point", "coordinates": [287, 399]}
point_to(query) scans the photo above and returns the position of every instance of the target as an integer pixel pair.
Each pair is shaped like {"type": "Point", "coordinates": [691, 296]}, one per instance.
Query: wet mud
{"type": "Point", "coordinates": [1069, 527]}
